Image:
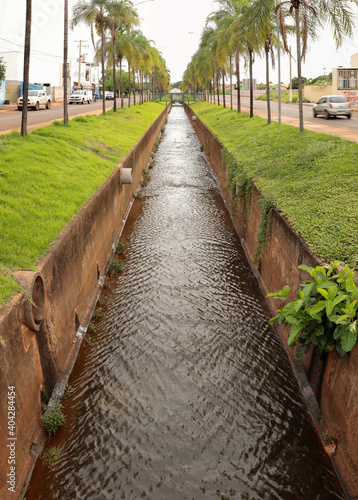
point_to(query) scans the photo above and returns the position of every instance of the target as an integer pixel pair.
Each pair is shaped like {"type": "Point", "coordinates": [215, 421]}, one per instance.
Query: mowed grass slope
{"type": "Point", "coordinates": [311, 178]}
{"type": "Point", "coordinates": [46, 177]}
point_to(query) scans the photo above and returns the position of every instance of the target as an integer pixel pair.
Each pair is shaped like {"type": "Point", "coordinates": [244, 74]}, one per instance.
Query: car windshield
{"type": "Point", "coordinates": [33, 92]}
{"type": "Point", "coordinates": [78, 92]}
{"type": "Point", "coordinates": [338, 98]}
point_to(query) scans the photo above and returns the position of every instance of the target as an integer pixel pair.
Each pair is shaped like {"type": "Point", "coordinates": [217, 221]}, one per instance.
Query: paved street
{"type": "Point", "coordinates": [11, 119]}
{"type": "Point", "coordinates": [340, 126]}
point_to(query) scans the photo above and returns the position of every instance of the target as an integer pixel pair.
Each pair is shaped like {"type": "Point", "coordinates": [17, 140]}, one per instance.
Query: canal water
{"type": "Point", "coordinates": [184, 391]}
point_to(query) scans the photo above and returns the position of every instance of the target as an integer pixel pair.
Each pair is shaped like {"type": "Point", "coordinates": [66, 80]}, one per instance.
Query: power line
{"type": "Point", "coordinates": [32, 50]}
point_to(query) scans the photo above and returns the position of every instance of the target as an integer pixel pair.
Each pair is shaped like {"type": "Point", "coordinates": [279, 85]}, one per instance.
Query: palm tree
{"type": "Point", "coordinates": [310, 16]}
{"type": "Point", "coordinates": [121, 16]}
{"type": "Point", "coordinates": [25, 93]}
{"type": "Point", "coordinates": [65, 59]}
{"type": "Point", "coordinates": [94, 13]}
{"type": "Point", "coordinates": [261, 16]}
{"type": "Point", "coordinates": [232, 12]}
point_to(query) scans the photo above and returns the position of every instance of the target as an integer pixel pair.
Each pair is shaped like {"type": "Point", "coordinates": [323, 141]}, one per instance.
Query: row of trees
{"type": "Point", "coordinates": [114, 22]}
{"type": "Point", "coordinates": [241, 29]}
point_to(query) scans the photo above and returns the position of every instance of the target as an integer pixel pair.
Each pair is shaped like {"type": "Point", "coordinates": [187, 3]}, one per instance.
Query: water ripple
{"type": "Point", "coordinates": [184, 391]}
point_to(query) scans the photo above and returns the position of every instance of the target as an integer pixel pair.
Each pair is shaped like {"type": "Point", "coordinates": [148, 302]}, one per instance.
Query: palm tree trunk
{"type": "Point", "coordinates": [238, 77]}
{"type": "Point", "coordinates": [268, 86]}
{"type": "Point", "coordinates": [217, 88]}
{"type": "Point", "coordinates": [134, 96]}
{"type": "Point", "coordinates": [65, 59]}
{"type": "Point", "coordinates": [230, 82]}
{"type": "Point", "coordinates": [299, 68]}
{"type": "Point", "coordinates": [121, 81]}
{"type": "Point", "coordinates": [114, 71]}
{"type": "Point", "coordinates": [129, 85]}
{"type": "Point", "coordinates": [224, 96]}
{"type": "Point", "coordinates": [251, 86]}
{"type": "Point", "coordinates": [141, 86]}
{"type": "Point", "coordinates": [102, 57]}
{"type": "Point", "coordinates": [25, 93]}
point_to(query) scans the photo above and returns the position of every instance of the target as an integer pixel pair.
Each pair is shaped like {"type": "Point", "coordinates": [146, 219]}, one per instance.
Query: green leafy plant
{"type": "Point", "coordinates": [51, 456]}
{"type": "Point", "coordinates": [53, 418]}
{"type": "Point", "coordinates": [325, 312]}
{"type": "Point", "coordinates": [68, 391]}
{"type": "Point", "coordinates": [115, 266]}
{"type": "Point", "coordinates": [97, 313]}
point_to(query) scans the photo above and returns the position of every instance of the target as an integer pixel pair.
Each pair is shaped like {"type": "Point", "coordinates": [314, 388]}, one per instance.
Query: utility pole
{"type": "Point", "coordinates": [79, 59]}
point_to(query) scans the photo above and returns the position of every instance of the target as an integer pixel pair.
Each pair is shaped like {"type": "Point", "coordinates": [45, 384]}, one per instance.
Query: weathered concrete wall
{"type": "Point", "coordinates": [335, 382]}
{"type": "Point", "coordinates": [32, 361]}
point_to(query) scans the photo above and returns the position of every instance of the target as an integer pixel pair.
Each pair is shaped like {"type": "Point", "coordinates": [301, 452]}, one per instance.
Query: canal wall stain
{"type": "Point", "coordinates": [41, 337]}
{"type": "Point", "coordinates": [334, 381]}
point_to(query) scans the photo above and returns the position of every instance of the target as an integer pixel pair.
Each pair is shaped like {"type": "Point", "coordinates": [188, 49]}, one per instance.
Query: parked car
{"type": "Point", "coordinates": [333, 105]}
{"type": "Point", "coordinates": [109, 96]}
{"type": "Point", "coordinates": [35, 99]}
{"type": "Point", "coordinates": [80, 97]}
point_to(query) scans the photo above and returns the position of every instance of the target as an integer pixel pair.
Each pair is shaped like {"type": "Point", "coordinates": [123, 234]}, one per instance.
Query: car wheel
{"type": "Point", "coordinates": [70, 103]}
{"type": "Point", "coordinates": [19, 108]}
{"type": "Point", "coordinates": [349, 116]}
{"type": "Point", "coordinates": [37, 106]}
{"type": "Point", "coordinates": [314, 113]}
{"type": "Point", "coordinates": [326, 115]}
{"type": "Point", "coordinates": [48, 105]}
{"type": "Point", "coordinates": [82, 101]}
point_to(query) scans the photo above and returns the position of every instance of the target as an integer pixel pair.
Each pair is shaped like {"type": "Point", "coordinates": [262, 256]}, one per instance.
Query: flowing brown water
{"type": "Point", "coordinates": [184, 391]}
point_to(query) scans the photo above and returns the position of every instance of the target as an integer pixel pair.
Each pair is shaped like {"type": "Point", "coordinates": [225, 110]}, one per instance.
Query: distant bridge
{"type": "Point", "coordinates": [178, 97]}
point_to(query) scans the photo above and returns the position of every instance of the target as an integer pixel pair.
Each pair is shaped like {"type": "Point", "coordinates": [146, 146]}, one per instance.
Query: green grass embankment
{"type": "Point", "coordinates": [46, 177]}
{"type": "Point", "coordinates": [310, 178]}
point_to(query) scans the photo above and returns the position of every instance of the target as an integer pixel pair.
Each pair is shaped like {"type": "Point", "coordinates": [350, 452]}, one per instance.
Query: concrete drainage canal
{"type": "Point", "coordinates": [182, 390]}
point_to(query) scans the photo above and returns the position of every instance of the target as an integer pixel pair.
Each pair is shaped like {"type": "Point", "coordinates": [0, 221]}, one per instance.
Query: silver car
{"type": "Point", "coordinates": [333, 105]}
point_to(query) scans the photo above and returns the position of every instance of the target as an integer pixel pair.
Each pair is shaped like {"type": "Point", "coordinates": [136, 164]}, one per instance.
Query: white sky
{"type": "Point", "coordinates": [166, 22]}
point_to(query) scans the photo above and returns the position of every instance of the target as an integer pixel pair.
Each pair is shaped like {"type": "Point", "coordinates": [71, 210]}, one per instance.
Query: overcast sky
{"type": "Point", "coordinates": [167, 23]}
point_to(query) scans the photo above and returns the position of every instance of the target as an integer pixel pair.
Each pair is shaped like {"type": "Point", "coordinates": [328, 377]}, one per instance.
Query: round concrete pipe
{"type": "Point", "coordinates": [127, 176]}
{"type": "Point", "coordinates": [33, 308]}
{"type": "Point", "coordinates": [193, 118]}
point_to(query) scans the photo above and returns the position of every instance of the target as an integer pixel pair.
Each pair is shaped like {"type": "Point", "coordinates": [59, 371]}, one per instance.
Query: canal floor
{"type": "Point", "coordinates": [183, 391]}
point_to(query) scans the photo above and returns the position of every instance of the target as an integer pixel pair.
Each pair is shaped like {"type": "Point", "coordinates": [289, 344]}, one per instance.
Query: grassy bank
{"type": "Point", "coordinates": [311, 178]}
{"type": "Point", "coordinates": [46, 177]}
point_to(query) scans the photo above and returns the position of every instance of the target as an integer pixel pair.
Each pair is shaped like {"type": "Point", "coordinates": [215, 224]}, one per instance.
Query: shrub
{"type": "Point", "coordinates": [325, 312]}
{"type": "Point", "coordinates": [115, 266]}
{"type": "Point", "coordinates": [53, 418]}
{"type": "Point", "coordinates": [51, 456]}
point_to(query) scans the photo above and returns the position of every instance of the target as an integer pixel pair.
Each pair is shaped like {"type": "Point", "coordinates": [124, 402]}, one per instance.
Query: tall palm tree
{"type": "Point", "coordinates": [65, 60]}
{"type": "Point", "coordinates": [232, 12]}
{"type": "Point", "coordinates": [25, 93]}
{"type": "Point", "coordinates": [311, 16]}
{"type": "Point", "coordinates": [95, 14]}
{"type": "Point", "coordinates": [121, 16]}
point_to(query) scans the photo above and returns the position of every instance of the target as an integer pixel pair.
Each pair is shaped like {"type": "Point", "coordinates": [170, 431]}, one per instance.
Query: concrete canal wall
{"type": "Point", "coordinates": [40, 336]}
{"type": "Point", "coordinates": [334, 382]}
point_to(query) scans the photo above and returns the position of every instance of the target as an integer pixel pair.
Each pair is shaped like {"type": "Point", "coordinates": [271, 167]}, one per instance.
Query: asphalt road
{"type": "Point", "coordinates": [11, 119]}
{"type": "Point", "coordinates": [341, 126]}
